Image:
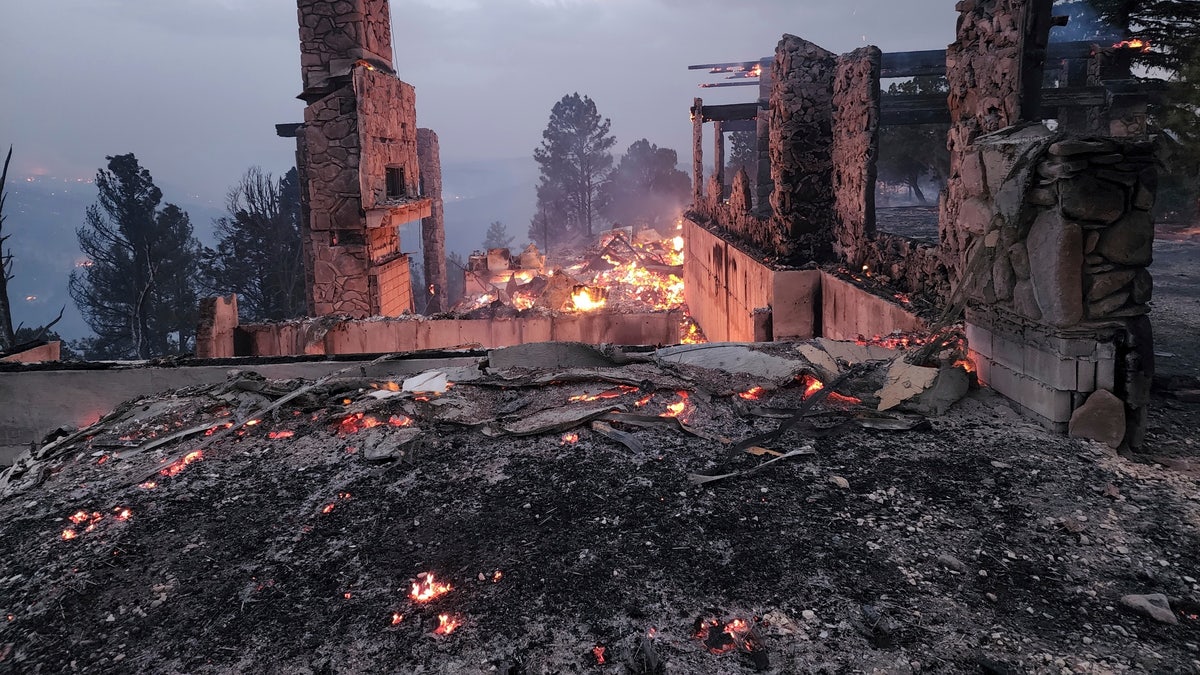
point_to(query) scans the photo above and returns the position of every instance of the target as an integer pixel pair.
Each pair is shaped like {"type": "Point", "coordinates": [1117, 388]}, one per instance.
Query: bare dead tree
{"type": "Point", "coordinates": [7, 336]}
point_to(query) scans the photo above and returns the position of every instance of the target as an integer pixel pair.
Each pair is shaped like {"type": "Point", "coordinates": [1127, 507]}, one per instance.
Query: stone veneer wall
{"type": "Point", "coordinates": [433, 228]}
{"type": "Point", "coordinates": [360, 122]}
{"type": "Point", "coordinates": [855, 151]}
{"type": "Point", "coordinates": [801, 159]}
{"type": "Point", "coordinates": [797, 225]}
{"type": "Point", "coordinates": [1060, 308]}
{"type": "Point", "coordinates": [983, 67]}
{"type": "Point", "coordinates": [333, 35]}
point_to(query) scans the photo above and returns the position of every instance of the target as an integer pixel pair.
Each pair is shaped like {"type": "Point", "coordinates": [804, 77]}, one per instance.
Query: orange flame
{"type": "Point", "coordinates": [584, 302]}
{"type": "Point", "coordinates": [276, 435]}
{"type": "Point", "coordinates": [447, 624]}
{"type": "Point", "coordinates": [176, 467]}
{"type": "Point", "coordinates": [812, 385]}
{"type": "Point", "coordinates": [428, 589]}
{"type": "Point", "coordinates": [753, 394]}
{"type": "Point", "coordinates": [69, 534]}
{"type": "Point", "coordinates": [123, 514]}
{"type": "Point", "coordinates": [497, 576]}
{"type": "Point", "coordinates": [219, 427]}
{"type": "Point", "coordinates": [357, 422]}
{"type": "Point", "coordinates": [677, 408]}
{"type": "Point", "coordinates": [397, 617]}
{"type": "Point", "coordinates": [400, 421]}
{"type": "Point", "coordinates": [568, 439]}
{"type": "Point", "coordinates": [1135, 43]}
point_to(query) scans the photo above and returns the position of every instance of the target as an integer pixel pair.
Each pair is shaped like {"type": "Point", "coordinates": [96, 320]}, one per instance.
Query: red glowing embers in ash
{"type": "Point", "coordinates": [426, 588]}
{"type": "Point", "coordinates": [447, 624]}
{"type": "Point", "coordinates": [677, 408]}
{"type": "Point", "coordinates": [89, 520]}
{"type": "Point", "coordinates": [736, 634]}
{"type": "Point", "coordinates": [812, 385]}
{"type": "Point", "coordinates": [276, 435]}
{"type": "Point", "coordinates": [342, 496]}
{"type": "Point", "coordinates": [176, 467]}
{"type": "Point", "coordinates": [753, 394]}
{"type": "Point", "coordinates": [598, 652]}
{"type": "Point", "coordinates": [359, 421]}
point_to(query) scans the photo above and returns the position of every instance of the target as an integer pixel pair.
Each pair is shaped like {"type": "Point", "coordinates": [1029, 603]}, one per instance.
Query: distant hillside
{"type": "Point", "coordinates": [42, 218]}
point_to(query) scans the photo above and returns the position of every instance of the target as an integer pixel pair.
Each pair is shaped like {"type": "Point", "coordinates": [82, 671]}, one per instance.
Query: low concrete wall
{"type": "Point", "coordinates": [728, 291]}
{"type": "Point", "coordinates": [41, 401]}
{"type": "Point", "coordinates": [848, 311]}
{"type": "Point", "coordinates": [374, 336]}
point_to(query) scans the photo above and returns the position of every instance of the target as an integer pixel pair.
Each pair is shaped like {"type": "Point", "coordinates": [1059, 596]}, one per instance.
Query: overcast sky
{"type": "Point", "coordinates": [194, 87]}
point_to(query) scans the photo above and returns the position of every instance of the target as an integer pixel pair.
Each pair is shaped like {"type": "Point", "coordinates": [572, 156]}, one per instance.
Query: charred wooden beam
{"type": "Point", "coordinates": [744, 82]}
{"type": "Point", "coordinates": [908, 109]}
{"type": "Point", "coordinates": [733, 126]}
{"type": "Point", "coordinates": [729, 112]}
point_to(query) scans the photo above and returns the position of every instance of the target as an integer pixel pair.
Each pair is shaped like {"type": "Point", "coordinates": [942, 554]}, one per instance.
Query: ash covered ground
{"type": "Point", "coordinates": [971, 541]}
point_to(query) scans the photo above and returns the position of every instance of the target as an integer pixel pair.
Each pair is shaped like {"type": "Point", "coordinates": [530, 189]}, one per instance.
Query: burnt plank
{"type": "Point", "coordinates": [729, 112]}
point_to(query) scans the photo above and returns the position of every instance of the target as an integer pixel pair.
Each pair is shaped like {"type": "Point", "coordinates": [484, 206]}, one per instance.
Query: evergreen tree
{"type": "Point", "coordinates": [497, 236]}
{"type": "Point", "coordinates": [743, 154]}
{"type": "Point", "coordinates": [911, 154]}
{"type": "Point", "coordinates": [259, 254]}
{"type": "Point", "coordinates": [138, 292]}
{"type": "Point", "coordinates": [575, 159]}
{"type": "Point", "coordinates": [646, 187]}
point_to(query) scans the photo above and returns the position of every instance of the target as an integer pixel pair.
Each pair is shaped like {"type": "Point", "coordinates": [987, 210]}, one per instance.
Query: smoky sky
{"type": "Point", "coordinates": [195, 87]}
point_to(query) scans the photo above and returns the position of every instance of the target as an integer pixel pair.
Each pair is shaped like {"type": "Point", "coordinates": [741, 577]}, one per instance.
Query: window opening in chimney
{"type": "Point", "coordinates": [395, 182]}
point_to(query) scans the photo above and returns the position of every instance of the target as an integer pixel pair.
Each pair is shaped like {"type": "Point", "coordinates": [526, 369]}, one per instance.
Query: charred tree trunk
{"type": "Point", "coordinates": [7, 337]}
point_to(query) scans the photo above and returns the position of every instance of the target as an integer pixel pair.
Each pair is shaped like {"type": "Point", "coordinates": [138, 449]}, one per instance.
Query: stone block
{"type": "Point", "coordinates": [1101, 418]}
{"type": "Point", "coordinates": [1051, 369]}
{"type": "Point", "coordinates": [979, 339]}
{"type": "Point", "coordinates": [1104, 285]}
{"type": "Point", "coordinates": [1086, 198]}
{"type": "Point", "coordinates": [1085, 376]}
{"type": "Point", "coordinates": [975, 216]}
{"type": "Point", "coordinates": [1052, 405]}
{"type": "Point", "coordinates": [1130, 241]}
{"type": "Point", "coordinates": [1056, 265]}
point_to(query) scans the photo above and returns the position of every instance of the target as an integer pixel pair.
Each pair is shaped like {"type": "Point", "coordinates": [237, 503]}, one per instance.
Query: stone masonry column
{"type": "Point", "coordinates": [433, 228]}
{"type": "Point", "coordinates": [697, 153]}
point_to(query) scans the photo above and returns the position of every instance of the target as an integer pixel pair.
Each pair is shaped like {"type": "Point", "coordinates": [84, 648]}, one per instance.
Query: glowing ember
{"type": "Point", "coordinates": [497, 576]}
{"type": "Point", "coordinates": [641, 403]}
{"type": "Point", "coordinates": [426, 589]}
{"type": "Point", "coordinates": [347, 595]}
{"type": "Point", "coordinates": [568, 439]}
{"type": "Point", "coordinates": [598, 652]}
{"type": "Point", "coordinates": [148, 485]}
{"type": "Point", "coordinates": [903, 298]}
{"type": "Point", "coordinates": [1135, 43]}
{"type": "Point", "coordinates": [328, 508]}
{"type": "Point", "coordinates": [754, 394]}
{"type": "Point", "coordinates": [176, 467]}
{"type": "Point", "coordinates": [69, 534]}
{"type": "Point", "coordinates": [276, 435]}
{"type": "Point", "coordinates": [966, 364]}
{"type": "Point", "coordinates": [219, 427]}
{"type": "Point", "coordinates": [357, 422]}
{"type": "Point", "coordinates": [123, 514]}
{"type": "Point", "coordinates": [604, 395]}
{"type": "Point", "coordinates": [102, 460]}
{"type": "Point", "coordinates": [252, 423]}
{"type": "Point", "coordinates": [397, 618]}
{"type": "Point", "coordinates": [677, 408]}
{"type": "Point", "coordinates": [400, 421]}
{"type": "Point", "coordinates": [587, 300]}
{"type": "Point", "coordinates": [812, 385]}
{"type": "Point", "coordinates": [720, 639]}
{"type": "Point", "coordinates": [447, 624]}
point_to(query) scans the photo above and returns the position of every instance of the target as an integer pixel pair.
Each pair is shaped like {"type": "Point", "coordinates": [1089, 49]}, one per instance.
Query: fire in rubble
{"type": "Point", "coordinates": [611, 393]}
{"type": "Point", "coordinates": [397, 617]}
{"type": "Point", "coordinates": [1135, 43]}
{"type": "Point", "coordinates": [812, 385]}
{"type": "Point", "coordinates": [722, 638]}
{"type": "Point", "coordinates": [276, 435]}
{"type": "Point", "coordinates": [569, 439]}
{"type": "Point", "coordinates": [598, 652]}
{"type": "Point", "coordinates": [753, 394]}
{"type": "Point", "coordinates": [447, 624]}
{"type": "Point", "coordinates": [677, 408]}
{"type": "Point", "coordinates": [176, 467]}
{"type": "Point", "coordinates": [426, 588]}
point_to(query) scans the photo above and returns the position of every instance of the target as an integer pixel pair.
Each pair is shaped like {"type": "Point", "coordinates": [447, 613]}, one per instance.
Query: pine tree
{"type": "Point", "coordinates": [575, 159]}
{"type": "Point", "coordinates": [647, 187]}
{"type": "Point", "coordinates": [138, 291]}
{"type": "Point", "coordinates": [497, 236]}
{"type": "Point", "coordinates": [258, 253]}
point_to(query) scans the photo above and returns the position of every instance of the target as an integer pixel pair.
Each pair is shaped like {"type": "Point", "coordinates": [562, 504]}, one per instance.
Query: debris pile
{"type": "Point", "coordinates": [811, 507]}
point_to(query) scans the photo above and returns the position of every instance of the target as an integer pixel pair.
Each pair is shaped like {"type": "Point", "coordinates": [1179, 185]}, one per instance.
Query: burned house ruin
{"type": "Point", "coordinates": [365, 167]}
{"type": "Point", "coordinates": [1044, 235]}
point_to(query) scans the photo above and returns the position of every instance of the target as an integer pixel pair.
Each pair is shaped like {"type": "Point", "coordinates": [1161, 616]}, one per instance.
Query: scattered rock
{"type": "Point", "coordinates": [950, 562]}
{"type": "Point", "coordinates": [1100, 418]}
{"type": "Point", "coordinates": [1154, 606]}
{"type": "Point", "coordinates": [840, 482]}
